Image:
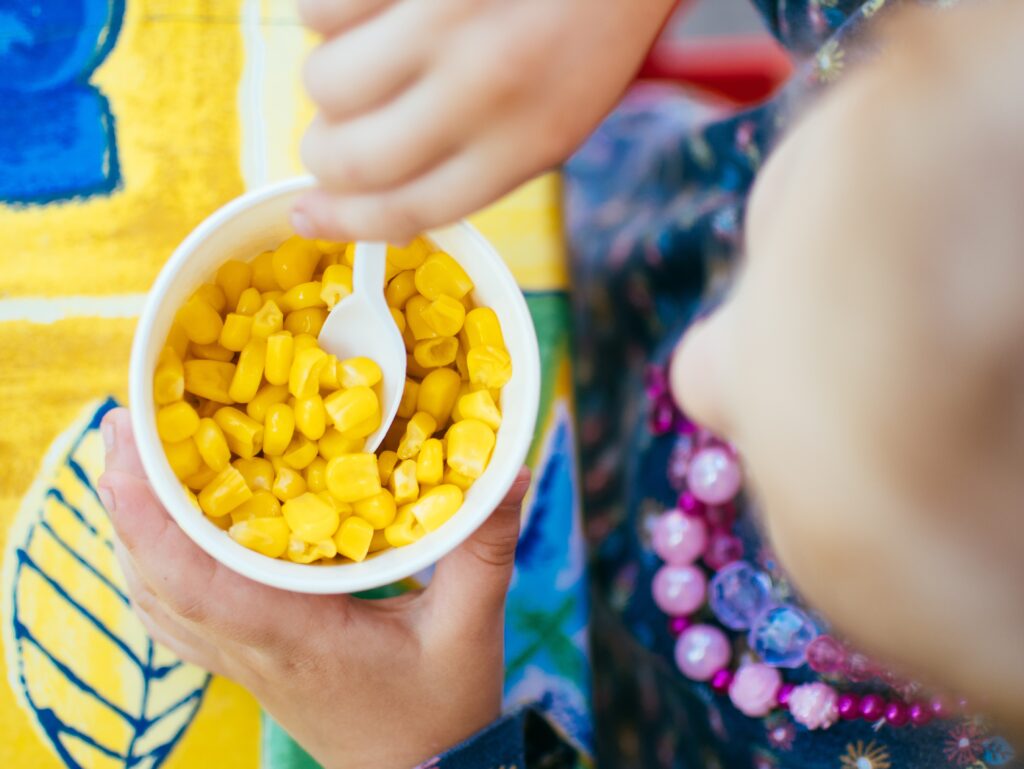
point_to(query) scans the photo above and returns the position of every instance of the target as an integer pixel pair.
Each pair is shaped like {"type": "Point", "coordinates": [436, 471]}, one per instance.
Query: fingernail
{"type": "Point", "coordinates": [107, 431]}
{"type": "Point", "coordinates": [302, 224]}
{"type": "Point", "coordinates": [106, 497]}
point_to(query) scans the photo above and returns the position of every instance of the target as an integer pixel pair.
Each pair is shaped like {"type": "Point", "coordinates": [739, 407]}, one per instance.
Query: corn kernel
{"type": "Point", "coordinates": [268, 536]}
{"type": "Point", "coordinates": [351, 477]}
{"type": "Point", "coordinates": [316, 475]}
{"type": "Point", "coordinates": [329, 373]}
{"type": "Point", "coordinates": [308, 321]}
{"type": "Point", "coordinates": [235, 332]}
{"type": "Point", "coordinates": [205, 409]}
{"type": "Point", "coordinates": [304, 377]}
{"type": "Point", "coordinates": [201, 477]}
{"type": "Point", "coordinates": [267, 396]}
{"type": "Point", "coordinates": [213, 351]}
{"type": "Point", "coordinates": [305, 552]}
{"type": "Point", "coordinates": [306, 342]}
{"type": "Point", "coordinates": [417, 324]}
{"type": "Point", "coordinates": [330, 247]}
{"type": "Point", "coordinates": [359, 372]}
{"type": "Point", "coordinates": [337, 284]}
{"type": "Point", "coordinates": [267, 320]}
{"type": "Point", "coordinates": [482, 329]}
{"type": "Point", "coordinates": [457, 479]}
{"type": "Point", "coordinates": [480, 405]}
{"type": "Point", "coordinates": [410, 257]}
{"type": "Point", "coordinates": [444, 315]}
{"type": "Point", "coordinates": [386, 462]}
{"type": "Point", "coordinates": [280, 353]}
{"type": "Point", "coordinates": [294, 262]}
{"type": "Point", "coordinates": [311, 417]}
{"type": "Point", "coordinates": [168, 377]}
{"type": "Point", "coordinates": [401, 289]}
{"type": "Point", "coordinates": [353, 538]}
{"type": "Point", "coordinates": [262, 504]}
{"type": "Point", "coordinates": [191, 497]}
{"type": "Point", "coordinates": [438, 394]}
{"type": "Point", "coordinates": [399, 319]}
{"type": "Point", "coordinates": [200, 321]}
{"type": "Point", "coordinates": [413, 367]}
{"type": "Point", "coordinates": [405, 530]}
{"type": "Point", "coordinates": [288, 483]}
{"type": "Point", "coordinates": [248, 371]}
{"type": "Point", "coordinates": [470, 443]}
{"type": "Point", "coordinates": [461, 365]}
{"type": "Point", "coordinates": [224, 493]}
{"type": "Point", "coordinates": [432, 353]}
{"type": "Point", "coordinates": [430, 463]}
{"type": "Point", "coordinates": [278, 429]}
{"type": "Point", "coordinates": [271, 296]}
{"type": "Point", "coordinates": [420, 427]}
{"type": "Point", "coordinates": [213, 296]}
{"type": "Point", "coordinates": [353, 410]}
{"type": "Point", "coordinates": [408, 338]}
{"type": "Point", "coordinates": [176, 422]}
{"type": "Point", "coordinates": [378, 510]}
{"type": "Point", "coordinates": [489, 367]}
{"type": "Point", "coordinates": [233, 277]}
{"type": "Point", "coordinates": [249, 301]}
{"type": "Point", "coordinates": [183, 457]}
{"type": "Point", "coordinates": [300, 452]}
{"type": "Point", "coordinates": [243, 433]}
{"type": "Point", "coordinates": [310, 518]}
{"type": "Point", "coordinates": [440, 274]}
{"type": "Point", "coordinates": [263, 272]}
{"type": "Point", "coordinates": [436, 506]}
{"type": "Point", "coordinates": [209, 379]}
{"type": "Point", "coordinates": [378, 542]}
{"type": "Point", "coordinates": [334, 444]}
{"type": "Point", "coordinates": [258, 473]}
{"type": "Point", "coordinates": [410, 397]}
{"type": "Point", "coordinates": [212, 445]}
{"type": "Point", "coordinates": [302, 297]}
{"type": "Point", "coordinates": [403, 483]}
{"type": "Point", "coordinates": [344, 509]}
{"type": "Point", "coordinates": [178, 340]}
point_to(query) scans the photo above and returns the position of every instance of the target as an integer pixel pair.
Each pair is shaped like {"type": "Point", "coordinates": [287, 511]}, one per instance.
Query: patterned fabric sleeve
{"type": "Point", "coordinates": [804, 25]}
{"type": "Point", "coordinates": [520, 740]}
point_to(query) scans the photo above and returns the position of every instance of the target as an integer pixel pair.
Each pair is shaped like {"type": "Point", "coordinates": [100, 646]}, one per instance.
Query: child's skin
{"type": "Point", "coordinates": [870, 365]}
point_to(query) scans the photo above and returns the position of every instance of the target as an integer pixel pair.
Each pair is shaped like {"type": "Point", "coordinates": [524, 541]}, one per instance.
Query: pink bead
{"type": "Point", "coordinates": [754, 689]}
{"type": "Point", "coordinates": [677, 625]}
{"type": "Point", "coordinates": [785, 692]}
{"type": "Point", "coordinates": [858, 668]}
{"type": "Point", "coordinates": [919, 714]}
{"type": "Point", "coordinates": [679, 590]}
{"type": "Point", "coordinates": [826, 655]}
{"type": "Point", "coordinates": [721, 516]}
{"type": "Point", "coordinates": [701, 651]}
{"type": "Point", "coordinates": [848, 707]}
{"type": "Point", "coordinates": [722, 550]}
{"type": "Point", "coordinates": [814, 705]}
{"type": "Point", "coordinates": [722, 680]}
{"type": "Point", "coordinates": [896, 714]}
{"type": "Point", "coordinates": [679, 539]}
{"type": "Point", "coordinates": [714, 475]}
{"type": "Point", "coordinates": [689, 504]}
{"type": "Point", "coordinates": [872, 707]}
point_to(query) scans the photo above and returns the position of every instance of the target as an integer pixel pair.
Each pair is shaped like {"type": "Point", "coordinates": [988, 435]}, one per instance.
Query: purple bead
{"type": "Point", "coordinates": [689, 504]}
{"type": "Point", "coordinates": [684, 426]}
{"type": "Point", "coordinates": [679, 539]}
{"type": "Point", "coordinates": [723, 549]}
{"type": "Point", "coordinates": [714, 475]}
{"type": "Point", "coordinates": [919, 714]}
{"type": "Point", "coordinates": [781, 635]}
{"type": "Point", "coordinates": [858, 668]}
{"type": "Point", "coordinates": [722, 680]}
{"type": "Point", "coordinates": [872, 707]}
{"type": "Point", "coordinates": [662, 417]}
{"type": "Point", "coordinates": [896, 714]}
{"type": "Point", "coordinates": [849, 707]}
{"type": "Point", "coordinates": [679, 590]}
{"type": "Point", "coordinates": [826, 655]}
{"type": "Point", "coordinates": [785, 692]}
{"type": "Point", "coordinates": [701, 652]}
{"type": "Point", "coordinates": [754, 689]}
{"type": "Point", "coordinates": [721, 516]}
{"type": "Point", "coordinates": [739, 594]}
{"type": "Point", "coordinates": [677, 625]}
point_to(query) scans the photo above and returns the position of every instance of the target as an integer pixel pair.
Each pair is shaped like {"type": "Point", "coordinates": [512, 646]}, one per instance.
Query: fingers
{"type": "Point", "coordinates": [698, 374]}
{"type": "Point", "coordinates": [330, 17]}
{"type": "Point", "coordinates": [116, 429]}
{"type": "Point", "coordinates": [470, 584]}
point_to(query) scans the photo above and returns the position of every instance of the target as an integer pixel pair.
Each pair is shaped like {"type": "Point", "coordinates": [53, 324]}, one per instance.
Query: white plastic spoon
{"type": "Point", "coordinates": [360, 325]}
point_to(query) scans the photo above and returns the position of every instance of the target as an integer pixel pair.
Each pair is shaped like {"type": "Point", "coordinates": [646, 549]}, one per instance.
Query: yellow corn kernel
{"type": "Point", "coordinates": [432, 353]}
{"type": "Point", "coordinates": [401, 289]}
{"type": "Point", "coordinates": [329, 374]}
{"type": "Point", "coordinates": [288, 483]}
{"type": "Point", "coordinates": [263, 272]}
{"type": "Point", "coordinates": [176, 422]}
{"type": "Point", "coordinates": [415, 321]}
{"type": "Point", "coordinates": [302, 297]}
{"type": "Point", "coordinates": [408, 338]}
{"type": "Point", "coordinates": [410, 397]}
{"type": "Point", "coordinates": [337, 284]}
{"type": "Point", "coordinates": [308, 321]}
{"type": "Point", "coordinates": [223, 522]}
{"type": "Point", "coordinates": [480, 405]}
{"type": "Point", "coordinates": [436, 506]}
{"type": "Point", "coordinates": [482, 329]}
{"type": "Point", "coordinates": [209, 379]}
{"type": "Point", "coordinates": [334, 444]}
{"type": "Point", "coordinates": [243, 433]}
{"type": "Point", "coordinates": [278, 429]}
{"type": "Point", "coordinates": [386, 462]}
{"type": "Point", "coordinates": [280, 351]}
{"type": "Point", "coordinates": [489, 367]}
{"type": "Point", "coordinates": [183, 457]}
{"type": "Point", "coordinates": [212, 294]}
{"type": "Point", "coordinates": [300, 452]}
{"type": "Point", "coordinates": [403, 484]}
{"type": "Point", "coordinates": [413, 367]}
{"type": "Point", "coordinates": [378, 542]}
{"type": "Point", "coordinates": [430, 463]}
{"type": "Point", "coordinates": [344, 509]}
{"type": "Point", "coordinates": [399, 319]}
{"type": "Point", "coordinates": [470, 443]}
{"type": "Point", "coordinates": [224, 493]}
{"type": "Point", "coordinates": [311, 417]}
{"type": "Point", "coordinates": [354, 410]}
{"type": "Point", "coordinates": [351, 477]}
{"type": "Point", "coordinates": [268, 536]}
{"type": "Point", "coordinates": [420, 427]}
{"type": "Point", "coordinates": [213, 351]}
{"type": "Point", "coordinates": [457, 479]}
{"type": "Point", "coordinates": [206, 409]}
{"type": "Point", "coordinates": [405, 530]}
{"type": "Point", "coordinates": [353, 538]}
{"type": "Point", "coordinates": [212, 445]}
{"type": "Point", "coordinates": [201, 477]}
{"type": "Point", "coordinates": [249, 301]}
{"type": "Point", "coordinates": [267, 320]}
{"type": "Point", "coordinates": [178, 340]}
{"type": "Point", "coordinates": [464, 389]}
{"type": "Point", "coordinates": [316, 475]}
{"type": "Point", "coordinates": [248, 371]}
{"type": "Point", "coordinates": [359, 372]}
{"type": "Point", "coordinates": [191, 496]}
{"type": "Point", "coordinates": [310, 518]}
{"type": "Point", "coordinates": [330, 247]}
{"type": "Point", "coordinates": [304, 377]}
{"type": "Point", "coordinates": [262, 504]}
{"type": "Point", "coordinates": [410, 257]}
{"type": "Point", "coordinates": [235, 332]}
{"type": "Point", "coordinates": [440, 274]}
{"type": "Point", "coordinates": [233, 277]}
{"type": "Point", "coordinates": [306, 552]}
{"type": "Point", "coordinates": [168, 377]}
{"type": "Point", "coordinates": [267, 396]}
{"type": "Point", "coordinates": [271, 296]}
{"type": "Point", "coordinates": [305, 342]}
{"type": "Point", "coordinates": [200, 321]}
{"type": "Point", "coordinates": [258, 473]}
{"type": "Point", "coordinates": [294, 262]}
{"type": "Point", "coordinates": [378, 510]}
{"type": "Point", "coordinates": [444, 315]}
{"type": "Point", "coordinates": [461, 365]}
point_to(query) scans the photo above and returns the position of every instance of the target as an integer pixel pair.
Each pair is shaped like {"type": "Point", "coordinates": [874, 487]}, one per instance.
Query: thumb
{"type": "Point", "coordinates": [469, 584]}
{"type": "Point", "coordinates": [699, 378]}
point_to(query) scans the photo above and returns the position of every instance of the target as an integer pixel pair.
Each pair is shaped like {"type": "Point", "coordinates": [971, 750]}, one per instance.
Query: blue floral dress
{"type": "Point", "coordinates": [655, 204]}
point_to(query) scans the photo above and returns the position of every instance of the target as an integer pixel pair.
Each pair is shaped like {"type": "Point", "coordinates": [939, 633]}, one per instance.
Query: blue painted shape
{"type": "Point", "coordinates": [57, 138]}
{"type": "Point", "coordinates": [185, 696]}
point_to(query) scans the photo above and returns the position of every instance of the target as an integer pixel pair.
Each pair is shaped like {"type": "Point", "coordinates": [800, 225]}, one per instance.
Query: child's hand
{"type": "Point", "coordinates": [383, 684]}
{"type": "Point", "coordinates": [870, 363]}
{"type": "Point", "coordinates": [431, 109]}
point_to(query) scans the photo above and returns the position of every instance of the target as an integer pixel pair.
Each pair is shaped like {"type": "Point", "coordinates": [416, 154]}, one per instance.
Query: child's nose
{"type": "Point", "coordinates": [698, 373]}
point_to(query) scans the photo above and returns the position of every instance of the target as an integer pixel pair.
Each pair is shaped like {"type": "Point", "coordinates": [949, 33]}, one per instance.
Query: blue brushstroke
{"type": "Point", "coordinates": [85, 564]}
{"type": "Point", "coordinates": [57, 134]}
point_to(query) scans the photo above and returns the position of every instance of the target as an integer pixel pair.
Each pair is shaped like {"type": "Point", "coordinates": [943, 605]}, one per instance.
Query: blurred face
{"type": "Point", "coordinates": [869, 366]}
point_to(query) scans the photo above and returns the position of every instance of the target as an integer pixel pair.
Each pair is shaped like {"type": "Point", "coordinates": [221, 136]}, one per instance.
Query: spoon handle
{"type": "Point", "coordinates": [369, 270]}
